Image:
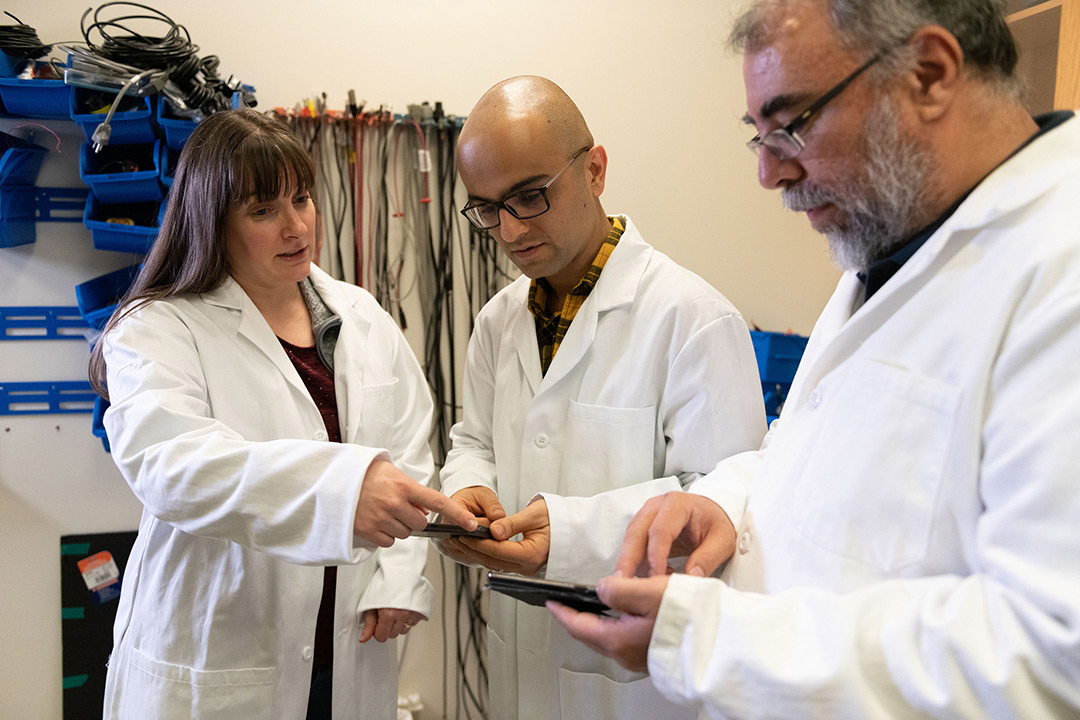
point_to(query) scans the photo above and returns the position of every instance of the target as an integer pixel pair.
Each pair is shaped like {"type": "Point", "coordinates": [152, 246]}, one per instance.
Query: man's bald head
{"type": "Point", "coordinates": [531, 105]}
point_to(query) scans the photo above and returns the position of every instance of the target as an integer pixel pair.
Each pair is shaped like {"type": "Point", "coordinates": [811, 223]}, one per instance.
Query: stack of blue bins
{"type": "Point", "coordinates": [778, 356]}
{"type": "Point", "coordinates": [129, 181]}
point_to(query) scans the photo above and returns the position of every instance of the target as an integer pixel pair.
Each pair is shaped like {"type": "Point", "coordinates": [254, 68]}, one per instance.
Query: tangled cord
{"type": "Point", "coordinates": [172, 51]}
{"type": "Point", "coordinates": [21, 41]}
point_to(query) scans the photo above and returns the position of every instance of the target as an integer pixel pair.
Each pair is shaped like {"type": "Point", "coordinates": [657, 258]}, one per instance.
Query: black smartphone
{"type": "Point", "coordinates": [535, 592]}
{"type": "Point", "coordinates": [442, 530]}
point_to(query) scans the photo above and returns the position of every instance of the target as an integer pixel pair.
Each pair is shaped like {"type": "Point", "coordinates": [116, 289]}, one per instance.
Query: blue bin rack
{"type": "Point", "coordinates": [176, 130]}
{"type": "Point", "coordinates": [778, 356]}
{"type": "Point", "coordinates": [122, 173]}
{"type": "Point", "coordinates": [97, 298]}
{"type": "Point", "coordinates": [122, 237]}
{"type": "Point", "coordinates": [41, 323]}
{"type": "Point", "coordinates": [131, 126]}
{"type": "Point", "coordinates": [35, 97]}
{"type": "Point", "coordinates": [46, 398]}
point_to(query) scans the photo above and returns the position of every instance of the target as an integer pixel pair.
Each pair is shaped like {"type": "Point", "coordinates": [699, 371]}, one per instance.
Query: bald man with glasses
{"type": "Point", "coordinates": [604, 376]}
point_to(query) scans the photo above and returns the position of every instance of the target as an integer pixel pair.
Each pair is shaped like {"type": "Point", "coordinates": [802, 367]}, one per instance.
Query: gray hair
{"type": "Point", "coordinates": [870, 26]}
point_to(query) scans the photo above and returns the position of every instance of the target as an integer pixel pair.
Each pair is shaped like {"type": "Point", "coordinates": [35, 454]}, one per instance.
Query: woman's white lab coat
{"type": "Point", "coordinates": [245, 502]}
{"type": "Point", "coordinates": [656, 378]}
{"type": "Point", "coordinates": [910, 546]}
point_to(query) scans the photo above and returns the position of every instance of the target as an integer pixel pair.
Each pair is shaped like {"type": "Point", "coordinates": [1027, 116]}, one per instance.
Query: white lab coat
{"type": "Point", "coordinates": [910, 547]}
{"type": "Point", "coordinates": [656, 378]}
{"type": "Point", "coordinates": [245, 502]}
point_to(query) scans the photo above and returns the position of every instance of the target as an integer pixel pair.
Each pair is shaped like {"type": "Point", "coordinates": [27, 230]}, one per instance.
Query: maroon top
{"type": "Point", "coordinates": [319, 381]}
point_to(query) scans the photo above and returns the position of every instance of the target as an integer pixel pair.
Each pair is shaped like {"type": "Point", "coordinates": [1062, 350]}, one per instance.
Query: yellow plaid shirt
{"type": "Point", "coordinates": [551, 329]}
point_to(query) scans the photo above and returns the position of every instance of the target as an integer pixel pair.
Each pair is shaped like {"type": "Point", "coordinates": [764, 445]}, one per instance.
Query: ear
{"type": "Point", "coordinates": [596, 168]}
{"type": "Point", "coordinates": [936, 77]}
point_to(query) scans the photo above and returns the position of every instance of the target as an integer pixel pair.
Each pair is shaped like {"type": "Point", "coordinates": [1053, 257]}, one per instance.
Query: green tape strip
{"type": "Point", "coordinates": [73, 613]}
{"type": "Point", "coordinates": [74, 548]}
{"type": "Point", "coordinates": [74, 681]}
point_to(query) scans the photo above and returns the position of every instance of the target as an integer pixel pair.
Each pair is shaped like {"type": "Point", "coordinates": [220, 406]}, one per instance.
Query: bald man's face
{"type": "Point", "coordinates": [557, 245]}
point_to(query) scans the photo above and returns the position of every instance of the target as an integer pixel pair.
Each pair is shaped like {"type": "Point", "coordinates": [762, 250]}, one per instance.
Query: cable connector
{"type": "Point", "coordinates": [101, 135]}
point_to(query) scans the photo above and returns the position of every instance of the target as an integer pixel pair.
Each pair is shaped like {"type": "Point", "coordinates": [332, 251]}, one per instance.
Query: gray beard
{"type": "Point", "coordinates": [885, 206]}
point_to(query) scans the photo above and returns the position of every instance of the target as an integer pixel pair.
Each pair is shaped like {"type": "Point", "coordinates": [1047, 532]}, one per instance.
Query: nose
{"type": "Point", "coordinates": [510, 227]}
{"type": "Point", "coordinates": [775, 173]}
{"type": "Point", "coordinates": [295, 223]}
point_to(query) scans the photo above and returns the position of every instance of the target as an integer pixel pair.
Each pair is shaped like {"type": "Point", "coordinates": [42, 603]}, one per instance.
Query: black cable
{"type": "Point", "coordinates": [172, 51]}
{"type": "Point", "coordinates": [21, 41]}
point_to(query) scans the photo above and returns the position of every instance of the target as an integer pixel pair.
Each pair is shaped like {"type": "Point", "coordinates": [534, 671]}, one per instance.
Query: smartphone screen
{"type": "Point", "coordinates": [535, 591]}
{"type": "Point", "coordinates": [442, 530]}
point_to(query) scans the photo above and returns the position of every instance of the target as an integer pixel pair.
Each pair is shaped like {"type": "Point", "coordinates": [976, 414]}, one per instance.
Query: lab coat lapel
{"type": "Point", "coordinates": [617, 286]}
{"type": "Point", "coordinates": [247, 322]}
{"type": "Point", "coordinates": [1025, 176]}
{"type": "Point", "coordinates": [350, 356]}
{"type": "Point", "coordinates": [520, 332]}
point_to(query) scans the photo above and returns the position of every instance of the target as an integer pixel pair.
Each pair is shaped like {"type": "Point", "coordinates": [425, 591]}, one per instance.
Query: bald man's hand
{"type": "Point", "coordinates": [392, 505]}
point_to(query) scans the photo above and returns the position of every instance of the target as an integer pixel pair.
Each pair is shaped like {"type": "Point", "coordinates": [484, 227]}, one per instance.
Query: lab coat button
{"type": "Point", "coordinates": [815, 398]}
{"type": "Point", "coordinates": [308, 653]}
{"type": "Point", "coordinates": [541, 440]}
{"type": "Point", "coordinates": [744, 543]}
{"type": "Point", "coordinates": [321, 435]}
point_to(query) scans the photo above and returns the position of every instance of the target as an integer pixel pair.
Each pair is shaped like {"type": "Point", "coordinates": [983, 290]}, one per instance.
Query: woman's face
{"type": "Point", "coordinates": [270, 245]}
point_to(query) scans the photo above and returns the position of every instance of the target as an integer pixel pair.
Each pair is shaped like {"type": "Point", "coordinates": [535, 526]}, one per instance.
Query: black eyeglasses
{"type": "Point", "coordinates": [785, 142]}
{"type": "Point", "coordinates": [524, 204]}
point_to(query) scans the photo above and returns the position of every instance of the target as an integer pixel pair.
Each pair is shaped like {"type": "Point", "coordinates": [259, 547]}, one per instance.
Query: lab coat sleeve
{"type": "Point", "coordinates": [292, 498]}
{"type": "Point", "coordinates": [1001, 640]}
{"type": "Point", "coordinates": [399, 581]}
{"type": "Point", "coordinates": [471, 460]}
{"type": "Point", "coordinates": [711, 408]}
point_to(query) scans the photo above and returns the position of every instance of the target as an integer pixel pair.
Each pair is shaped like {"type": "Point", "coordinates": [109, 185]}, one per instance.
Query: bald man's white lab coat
{"type": "Point", "coordinates": [656, 378]}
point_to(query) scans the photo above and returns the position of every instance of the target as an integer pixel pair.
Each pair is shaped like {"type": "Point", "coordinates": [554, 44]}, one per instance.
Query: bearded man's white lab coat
{"type": "Point", "coordinates": [245, 502]}
{"type": "Point", "coordinates": [656, 378]}
{"type": "Point", "coordinates": [910, 547]}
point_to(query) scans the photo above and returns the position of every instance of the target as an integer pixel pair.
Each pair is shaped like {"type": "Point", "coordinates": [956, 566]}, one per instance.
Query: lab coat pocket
{"type": "Point", "coordinates": [586, 695]}
{"type": "Point", "coordinates": [607, 447]}
{"type": "Point", "coordinates": [377, 414]}
{"type": "Point", "coordinates": [172, 692]}
{"type": "Point", "coordinates": [877, 415]}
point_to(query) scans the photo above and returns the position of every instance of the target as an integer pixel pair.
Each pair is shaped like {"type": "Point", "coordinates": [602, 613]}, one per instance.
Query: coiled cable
{"type": "Point", "coordinates": [21, 41]}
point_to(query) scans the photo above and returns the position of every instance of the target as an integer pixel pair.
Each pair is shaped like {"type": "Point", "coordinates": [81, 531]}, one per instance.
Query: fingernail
{"type": "Point", "coordinates": [696, 571]}
{"type": "Point", "coordinates": [618, 574]}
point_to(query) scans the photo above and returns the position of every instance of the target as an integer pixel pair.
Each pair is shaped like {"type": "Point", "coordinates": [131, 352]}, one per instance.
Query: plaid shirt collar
{"type": "Point", "coordinates": [551, 328]}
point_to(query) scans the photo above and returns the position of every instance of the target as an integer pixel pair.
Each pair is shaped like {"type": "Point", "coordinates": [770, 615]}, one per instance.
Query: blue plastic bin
{"type": "Point", "coordinates": [778, 355]}
{"type": "Point", "coordinates": [119, 236]}
{"type": "Point", "coordinates": [167, 161]}
{"type": "Point", "coordinates": [17, 215]}
{"type": "Point", "coordinates": [176, 129]}
{"type": "Point", "coordinates": [132, 125]}
{"type": "Point", "coordinates": [10, 65]}
{"type": "Point", "coordinates": [21, 160]}
{"type": "Point", "coordinates": [122, 173]}
{"type": "Point", "coordinates": [97, 298]}
{"type": "Point", "coordinates": [97, 424]}
{"type": "Point", "coordinates": [35, 97]}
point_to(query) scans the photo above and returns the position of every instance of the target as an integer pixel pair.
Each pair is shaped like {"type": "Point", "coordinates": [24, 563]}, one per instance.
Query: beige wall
{"type": "Point", "coordinates": [660, 93]}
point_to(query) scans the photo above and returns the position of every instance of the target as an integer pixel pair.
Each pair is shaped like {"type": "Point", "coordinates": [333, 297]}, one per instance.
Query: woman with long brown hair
{"type": "Point", "coordinates": [274, 424]}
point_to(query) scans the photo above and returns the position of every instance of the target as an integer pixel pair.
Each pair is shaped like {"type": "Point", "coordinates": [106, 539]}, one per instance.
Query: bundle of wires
{"type": "Point", "coordinates": [20, 42]}
{"type": "Point", "coordinates": [172, 50]}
